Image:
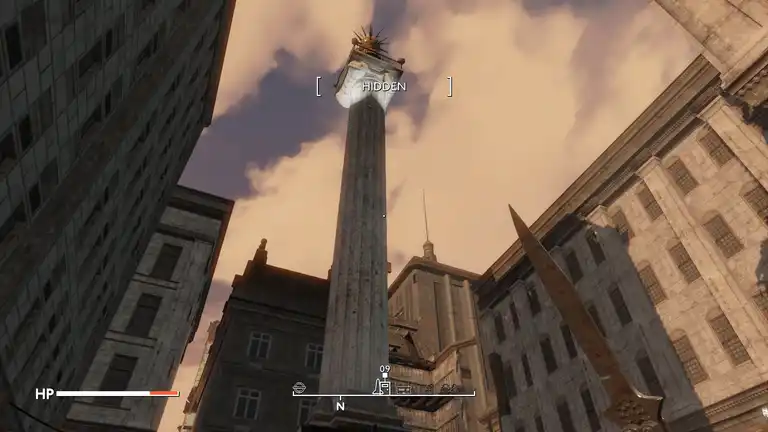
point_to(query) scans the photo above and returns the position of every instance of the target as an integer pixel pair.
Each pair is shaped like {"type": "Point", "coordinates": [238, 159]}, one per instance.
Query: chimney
{"type": "Point", "coordinates": [260, 257]}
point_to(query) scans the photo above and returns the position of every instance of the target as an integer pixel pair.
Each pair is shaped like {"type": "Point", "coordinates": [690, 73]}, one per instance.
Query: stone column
{"type": "Point", "coordinates": [356, 331]}
{"type": "Point", "coordinates": [746, 141]}
{"type": "Point", "coordinates": [714, 271]}
{"type": "Point", "coordinates": [356, 325]}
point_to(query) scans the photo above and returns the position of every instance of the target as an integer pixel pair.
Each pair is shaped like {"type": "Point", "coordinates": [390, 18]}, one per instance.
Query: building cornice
{"type": "Point", "coordinates": [670, 117]}
{"type": "Point", "coordinates": [420, 263]}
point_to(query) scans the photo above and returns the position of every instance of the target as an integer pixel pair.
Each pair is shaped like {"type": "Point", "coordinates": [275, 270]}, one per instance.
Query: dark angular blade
{"type": "Point", "coordinates": [629, 409]}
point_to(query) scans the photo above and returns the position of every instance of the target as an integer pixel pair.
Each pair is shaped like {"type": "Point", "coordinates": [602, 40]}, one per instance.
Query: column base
{"type": "Point", "coordinates": [363, 414]}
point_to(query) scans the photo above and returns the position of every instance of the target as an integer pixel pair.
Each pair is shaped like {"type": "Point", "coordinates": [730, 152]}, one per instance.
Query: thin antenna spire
{"type": "Point", "coordinates": [424, 205]}
{"type": "Point", "coordinates": [429, 248]}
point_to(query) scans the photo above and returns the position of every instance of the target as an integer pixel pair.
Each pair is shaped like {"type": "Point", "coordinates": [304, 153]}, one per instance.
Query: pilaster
{"type": "Point", "coordinates": [451, 315]}
{"type": "Point", "coordinates": [746, 141]}
{"type": "Point", "coordinates": [702, 250]}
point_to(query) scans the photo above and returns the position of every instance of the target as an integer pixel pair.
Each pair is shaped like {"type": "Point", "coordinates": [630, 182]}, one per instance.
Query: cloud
{"type": "Point", "coordinates": [512, 133]}
{"type": "Point", "coordinates": [310, 31]}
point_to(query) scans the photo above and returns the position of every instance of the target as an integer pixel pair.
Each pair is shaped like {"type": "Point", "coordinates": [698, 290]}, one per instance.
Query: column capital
{"type": "Point", "coordinates": [652, 163]}
{"type": "Point", "coordinates": [366, 74]}
{"type": "Point", "coordinates": [711, 109]}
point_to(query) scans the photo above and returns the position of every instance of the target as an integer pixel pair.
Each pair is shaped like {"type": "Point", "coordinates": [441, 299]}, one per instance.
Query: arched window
{"type": "Point", "coordinates": [722, 235]}
{"type": "Point", "coordinates": [648, 201]}
{"type": "Point", "coordinates": [651, 283]}
{"type": "Point", "coordinates": [682, 177]}
{"type": "Point", "coordinates": [690, 361]}
{"type": "Point", "coordinates": [683, 261]}
{"type": "Point", "coordinates": [727, 337]}
{"type": "Point", "coordinates": [756, 197]}
{"type": "Point", "coordinates": [711, 142]}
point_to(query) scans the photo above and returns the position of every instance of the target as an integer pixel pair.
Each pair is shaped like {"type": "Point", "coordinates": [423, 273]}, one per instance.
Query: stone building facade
{"type": "Point", "coordinates": [664, 237]}
{"type": "Point", "coordinates": [434, 302]}
{"type": "Point", "coordinates": [195, 393]}
{"type": "Point", "coordinates": [271, 337]}
{"type": "Point", "coordinates": [101, 104]}
{"type": "Point", "coordinates": [157, 318]}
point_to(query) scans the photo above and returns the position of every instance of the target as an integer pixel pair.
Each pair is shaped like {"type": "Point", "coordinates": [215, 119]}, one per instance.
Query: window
{"type": "Point", "coordinates": [682, 177]}
{"type": "Point", "coordinates": [761, 301]}
{"type": "Point", "coordinates": [684, 263]}
{"type": "Point", "coordinates": [247, 404]}
{"type": "Point", "coordinates": [89, 61]}
{"type": "Point", "coordinates": [757, 198]}
{"type": "Point", "coordinates": [728, 338]}
{"type": "Point", "coordinates": [314, 357]}
{"type": "Point", "coordinates": [589, 408]}
{"type": "Point", "coordinates": [648, 372]}
{"type": "Point", "coordinates": [90, 124]}
{"type": "Point", "coordinates": [117, 377]}
{"type": "Point", "coordinates": [620, 306]}
{"type": "Point", "coordinates": [258, 346]}
{"type": "Point", "coordinates": [527, 371]}
{"type": "Point", "coordinates": [33, 27]}
{"type": "Point", "coordinates": [306, 406]}
{"type": "Point", "coordinates": [26, 136]}
{"type": "Point", "coordinates": [497, 375]}
{"type": "Point", "coordinates": [595, 248]}
{"type": "Point", "coordinates": [621, 224]}
{"type": "Point", "coordinates": [33, 195]}
{"type": "Point", "coordinates": [573, 266]}
{"type": "Point", "coordinates": [691, 365]}
{"type": "Point", "coordinates": [592, 309]}
{"type": "Point", "coordinates": [539, 423]}
{"type": "Point", "coordinates": [649, 203]}
{"type": "Point", "coordinates": [498, 325]}
{"type": "Point", "coordinates": [144, 315]}
{"type": "Point", "coordinates": [513, 314]}
{"type": "Point", "coordinates": [509, 381]}
{"type": "Point", "coordinates": [149, 50]}
{"type": "Point", "coordinates": [8, 149]}
{"type": "Point", "coordinates": [466, 373]}
{"type": "Point", "coordinates": [43, 112]}
{"type": "Point", "coordinates": [716, 147]}
{"type": "Point", "coordinates": [564, 415]}
{"type": "Point", "coordinates": [570, 344]}
{"type": "Point", "coordinates": [113, 39]}
{"type": "Point", "coordinates": [17, 220]}
{"type": "Point", "coordinates": [723, 236]}
{"type": "Point", "coordinates": [652, 286]}
{"type": "Point", "coordinates": [533, 300]}
{"type": "Point", "coordinates": [49, 179]}
{"type": "Point", "coordinates": [166, 262]}
{"type": "Point", "coordinates": [15, 56]}
{"type": "Point", "coordinates": [549, 355]}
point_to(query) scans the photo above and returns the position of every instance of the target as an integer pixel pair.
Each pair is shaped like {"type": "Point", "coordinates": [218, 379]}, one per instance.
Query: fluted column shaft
{"type": "Point", "coordinates": [356, 337]}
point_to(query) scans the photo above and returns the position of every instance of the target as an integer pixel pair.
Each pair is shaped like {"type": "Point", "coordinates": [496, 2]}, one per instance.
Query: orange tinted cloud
{"type": "Point", "coordinates": [511, 134]}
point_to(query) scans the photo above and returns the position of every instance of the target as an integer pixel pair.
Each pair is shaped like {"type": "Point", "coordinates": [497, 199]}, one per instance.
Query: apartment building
{"type": "Point", "coordinates": [157, 318]}
{"type": "Point", "coordinates": [101, 104]}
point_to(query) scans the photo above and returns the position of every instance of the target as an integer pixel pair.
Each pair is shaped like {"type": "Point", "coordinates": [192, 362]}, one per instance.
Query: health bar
{"type": "Point", "coordinates": [121, 393]}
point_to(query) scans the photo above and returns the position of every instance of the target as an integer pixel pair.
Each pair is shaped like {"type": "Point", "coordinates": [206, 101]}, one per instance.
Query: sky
{"type": "Point", "coordinates": [540, 89]}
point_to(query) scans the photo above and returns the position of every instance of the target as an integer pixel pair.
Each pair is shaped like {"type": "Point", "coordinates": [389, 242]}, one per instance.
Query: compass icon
{"type": "Point", "coordinates": [299, 388]}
